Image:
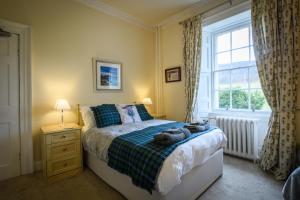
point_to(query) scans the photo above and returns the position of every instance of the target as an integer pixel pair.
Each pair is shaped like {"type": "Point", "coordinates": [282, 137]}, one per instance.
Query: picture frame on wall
{"type": "Point", "coordinates": [108, 75]}
{"type": "Point", "coordinates": [173, 74]}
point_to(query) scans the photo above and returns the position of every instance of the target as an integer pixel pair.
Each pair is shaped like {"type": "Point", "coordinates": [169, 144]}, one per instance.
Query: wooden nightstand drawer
{"type": "Point", "coordinates": [63, 150]}
{"type": "Point", "coordinates": [58, 167]}
{"type": "Point", "coordinates": [65, 136]}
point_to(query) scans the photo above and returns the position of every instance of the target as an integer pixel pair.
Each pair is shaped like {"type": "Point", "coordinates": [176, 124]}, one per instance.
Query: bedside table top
{"type": "Point", "coordinates": [58, 128]}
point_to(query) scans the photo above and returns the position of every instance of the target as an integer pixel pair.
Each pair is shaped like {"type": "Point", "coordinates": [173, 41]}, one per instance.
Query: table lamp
{"type": "Point", "coordinates": [62, 104]}
{"type": "Point", "coordinates": [147, 102]}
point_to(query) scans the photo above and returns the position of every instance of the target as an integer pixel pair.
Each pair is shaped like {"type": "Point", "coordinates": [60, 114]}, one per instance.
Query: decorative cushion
{"type": "Point", "coordinates": [128, 113]}
{"type": "Point", "coordinates": [87, 118]}
{"type": "Point", "coordinates": [106, 115]}
{"type": "Point", "coordinates": [144, 115]}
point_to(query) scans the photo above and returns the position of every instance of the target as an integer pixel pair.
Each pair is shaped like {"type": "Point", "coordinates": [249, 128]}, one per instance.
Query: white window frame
{"type": "Point", "coordinates": [222, 30]}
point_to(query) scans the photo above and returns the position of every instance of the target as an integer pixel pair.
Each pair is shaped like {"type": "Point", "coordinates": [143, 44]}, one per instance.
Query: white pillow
{"type": "Point", "coordinates": [128, 113]}
{"type": "Point", "coordinates": [87, 118]}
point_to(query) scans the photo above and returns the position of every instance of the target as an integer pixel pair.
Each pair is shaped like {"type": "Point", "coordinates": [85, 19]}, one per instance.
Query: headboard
{"type": "Point", "coordinates": [79, 117]}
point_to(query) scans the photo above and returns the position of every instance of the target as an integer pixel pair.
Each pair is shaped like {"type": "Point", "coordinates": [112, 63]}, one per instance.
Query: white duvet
{"type": "Point", "coordinates": [184, 158]}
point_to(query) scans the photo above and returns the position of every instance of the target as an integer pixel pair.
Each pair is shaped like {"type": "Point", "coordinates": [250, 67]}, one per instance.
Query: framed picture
{"type": "Point", "coordinates": [108, 75]}
{"type": "Point", "coordinates": [173, 74]}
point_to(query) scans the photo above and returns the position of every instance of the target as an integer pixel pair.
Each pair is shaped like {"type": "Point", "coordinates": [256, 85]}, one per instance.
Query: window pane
{"type": "Point", "coordinates": [240, 99]}
{"type": "Point", "coordinates": [222, 99]}
{"type": "Point", "coordinates": [252, 55]}
{"type": "Point", "coordinates": [258, 100]}
{"type": "Point", "coordinates": [222, 80]}
{"type": "Point", "coordinates": [223, 42]}
{"type": "Point", "coordinates": [223, 59]}
{"type": "Point", "coordinates": [240, 38]}
{"type": "Point", "coordinates": [239, 78]}
{"type": "Point", "coordinates": [251, 37]}
{"type": "Point", "coordinates": [254, 78]}
{"type": "Point", "coordinates": [240, 55]}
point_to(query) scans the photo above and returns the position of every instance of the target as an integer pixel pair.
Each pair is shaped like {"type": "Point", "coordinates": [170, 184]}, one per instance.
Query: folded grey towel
{"type": "Point", "coordinates": [172, 136]}
{"type": "Point", "coordinates": [203, 123]}
{"type": "Point", "coordinates": [178, 131]}
{"type": "Point", "coordinates": [196, 127]}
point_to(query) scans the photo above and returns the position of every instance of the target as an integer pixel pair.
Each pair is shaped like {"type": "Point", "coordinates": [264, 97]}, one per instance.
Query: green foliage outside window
{"type": "Point", "coordinates": [258, 100]}
{"type": "Point", "coordinates": [240, 99]}
{"type": "Point", "coordinates": [224, 99]}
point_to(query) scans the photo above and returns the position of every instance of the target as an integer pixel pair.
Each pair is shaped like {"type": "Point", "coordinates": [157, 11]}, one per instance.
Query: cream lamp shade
{"type": "Point", "coordinates": [147, 101]}
{"type": "Point", "coordinates": [62, 104]}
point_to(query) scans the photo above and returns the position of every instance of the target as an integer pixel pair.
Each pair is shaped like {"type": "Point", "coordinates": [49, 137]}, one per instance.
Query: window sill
{"type": "Point", "coordinates": [234, 113]}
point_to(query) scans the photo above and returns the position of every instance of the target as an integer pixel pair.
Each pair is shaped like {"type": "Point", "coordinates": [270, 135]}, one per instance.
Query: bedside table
{"type": "Point", "coordinates": [159, 116]}
{"type": "Point", "coordinates": [61, 151]}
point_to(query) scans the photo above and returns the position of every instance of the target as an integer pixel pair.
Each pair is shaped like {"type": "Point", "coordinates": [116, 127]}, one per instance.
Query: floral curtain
{"type": "Point", "coordinates": [192, 31]}
{"type": "Point", "coordinates": [275, 36]}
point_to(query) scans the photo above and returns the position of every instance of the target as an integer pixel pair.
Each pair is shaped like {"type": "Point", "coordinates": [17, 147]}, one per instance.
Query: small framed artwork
{"type": "Point", "coordinates": [173, 74]}
{"type": "Point", "coordinates": [108, 75]}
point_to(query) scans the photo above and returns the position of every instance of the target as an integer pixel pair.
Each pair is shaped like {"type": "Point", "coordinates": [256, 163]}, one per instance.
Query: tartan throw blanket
{"type": "Point", "coordinates": [138, 156]}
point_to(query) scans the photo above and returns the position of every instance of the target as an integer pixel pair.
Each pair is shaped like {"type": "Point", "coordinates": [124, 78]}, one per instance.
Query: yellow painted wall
{"type": "Point", "coordinates": [171, 56]}
{"type": "Point", "coordinates": [65, 37]}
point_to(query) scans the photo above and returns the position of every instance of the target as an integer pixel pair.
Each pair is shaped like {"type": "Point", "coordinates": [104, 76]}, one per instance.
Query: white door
{"type": "Point", "coordinates": [9, 107]}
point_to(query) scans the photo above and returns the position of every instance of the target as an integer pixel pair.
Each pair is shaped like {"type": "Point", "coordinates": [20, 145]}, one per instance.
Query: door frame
{"type": "Point", "coordinates": [26, 149]}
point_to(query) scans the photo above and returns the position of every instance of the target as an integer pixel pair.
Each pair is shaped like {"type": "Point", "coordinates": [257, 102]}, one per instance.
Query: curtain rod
{"type": "Point", "coordinates": [221, 4]}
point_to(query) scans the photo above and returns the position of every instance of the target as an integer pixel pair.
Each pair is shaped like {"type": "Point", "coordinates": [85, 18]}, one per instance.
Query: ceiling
{"type": "Point", "coordinates": [151, 12]}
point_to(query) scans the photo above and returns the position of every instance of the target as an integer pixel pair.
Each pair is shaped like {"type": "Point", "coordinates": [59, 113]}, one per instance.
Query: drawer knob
{"type": "Point", "coordinates": [63, 136]}
{"type": "Point", "coordinates": [64, 149]}
{"type": "Point", "coordinates": [66, 164]}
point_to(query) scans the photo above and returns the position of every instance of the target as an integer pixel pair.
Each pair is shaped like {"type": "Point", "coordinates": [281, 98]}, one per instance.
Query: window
{"type": "Point", "coordinates": [229, 78]}
{"type": "Point", "coordinates": [236, 84]}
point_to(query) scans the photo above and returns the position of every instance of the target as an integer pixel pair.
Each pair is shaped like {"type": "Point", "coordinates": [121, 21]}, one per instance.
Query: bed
{"type": "Point", "coordinates": [185, 174]}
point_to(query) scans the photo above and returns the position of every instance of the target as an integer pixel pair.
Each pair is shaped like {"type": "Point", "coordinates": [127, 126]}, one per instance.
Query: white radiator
{"type": "Point", "coordinates": [241, 133]}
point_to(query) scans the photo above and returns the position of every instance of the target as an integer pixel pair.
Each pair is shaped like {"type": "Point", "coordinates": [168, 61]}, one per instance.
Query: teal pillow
{"type": "Point", "coordinates": [144, 115]}
{"type": "Point", "coordinates": [106, 115]}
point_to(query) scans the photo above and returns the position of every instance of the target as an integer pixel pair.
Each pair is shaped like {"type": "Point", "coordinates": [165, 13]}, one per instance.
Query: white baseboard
{"type": "Point", "coordinates": [37, 166]}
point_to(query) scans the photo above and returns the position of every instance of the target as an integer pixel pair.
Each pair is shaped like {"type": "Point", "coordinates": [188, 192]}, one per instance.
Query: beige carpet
{"type": "Point", "coordinates": [241, 180]}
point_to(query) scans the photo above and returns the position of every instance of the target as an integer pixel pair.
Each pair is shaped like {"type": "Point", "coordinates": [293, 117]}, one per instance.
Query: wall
{"type": "Point", "coordinates": [171, 50]}
{"type": "Point", "coordinates": [65, 37]}
{"type": "Point", "coordinates": [171, 55]}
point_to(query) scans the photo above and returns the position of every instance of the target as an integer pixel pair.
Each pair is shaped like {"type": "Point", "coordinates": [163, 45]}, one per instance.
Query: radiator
{"type": "Point", "coordinates": [241, 133]}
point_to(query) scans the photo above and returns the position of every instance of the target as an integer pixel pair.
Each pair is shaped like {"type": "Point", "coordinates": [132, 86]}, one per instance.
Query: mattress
{"type": "Point", "coordinates": [182, 160]}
